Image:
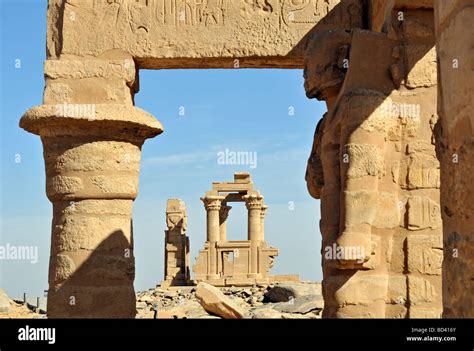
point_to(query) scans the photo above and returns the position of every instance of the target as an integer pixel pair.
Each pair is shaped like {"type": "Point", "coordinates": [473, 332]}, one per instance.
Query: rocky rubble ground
{"type": "Point", "coordinates": [281, 300]}
{"type": "Point", "coordinates": [17, 309]}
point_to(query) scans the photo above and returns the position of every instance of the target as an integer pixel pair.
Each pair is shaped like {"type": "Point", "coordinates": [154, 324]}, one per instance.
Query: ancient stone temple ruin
{"type": "Point", "coordinates": [391, 159]}
{"type": "Point", "coordinates": [176, 245]}
{"type": "Point", "coordinates": [242, 262]}
{"type": "Point", "coordinates": [374, 165]}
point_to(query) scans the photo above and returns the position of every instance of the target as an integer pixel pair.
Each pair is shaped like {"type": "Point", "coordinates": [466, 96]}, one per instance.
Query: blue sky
{"type": "Point", "coordinates": [239, 110]}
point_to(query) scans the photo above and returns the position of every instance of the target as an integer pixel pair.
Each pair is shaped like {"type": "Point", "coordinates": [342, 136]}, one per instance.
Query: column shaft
{"type": "Point", "coordinates": [212, 205]}
{"type": "Point", "coordinates": [92, 137]}
{"type": "Point", "coordinates": [254, 206]}
{"type": "Point", "coordinates": [223, 214]}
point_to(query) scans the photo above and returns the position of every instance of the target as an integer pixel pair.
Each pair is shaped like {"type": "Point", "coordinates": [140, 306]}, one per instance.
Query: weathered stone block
{"type": "Point", "coordinates": [88, 233]}
{"type": "Point", "coordinates": [90, 68]}
{"type": "Point", "coordinates": [423, 213]}
{"type": "Point", "coordinates": [375, 309]}
{"type": "Point", "coordinates": [170, 33]}
{"type": "Point", "coordinates": [397, 289]}
{"type": "Point", "coordinates": [421, 291]}
{"type": "Point", "coordinates": [425, 254]}
{"type": "Point", "coordinates": [359, 289]}
{"type": "Point", "coordinates": [365, 160]}
{"type": "Point", "coordinates": [361, 209]}
{"type": "Point", "coordinates": [425, 312]}
{"type": "Point", "coordinates": [422, 70]}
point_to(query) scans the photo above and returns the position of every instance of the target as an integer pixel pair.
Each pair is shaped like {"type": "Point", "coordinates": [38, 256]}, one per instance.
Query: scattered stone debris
{"type": "Point", "coordinates": [206, 301]}
{"type": "Point", "coordinates": [215, 302]}
{"type": "Point", "coordinates": [18, 309]}
{"type": "Point", "coordinates": [283, 292]}
{"type": "Point", "coordinates": [5, 306]}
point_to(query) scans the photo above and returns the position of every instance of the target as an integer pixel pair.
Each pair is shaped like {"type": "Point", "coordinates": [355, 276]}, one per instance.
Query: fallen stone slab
{"type": "Point", "coordinates": [5, 306]}
{"type": "Point", "coordinates": [282, 292]}
{"type": "Point", "coordinates": [215, 302]}
{"type": "Point", "coordinates": [301, 305]}
{"type": "Point", "coordinates": [265, 313]}
{"type": "Point", "coordinates": [187, 309]}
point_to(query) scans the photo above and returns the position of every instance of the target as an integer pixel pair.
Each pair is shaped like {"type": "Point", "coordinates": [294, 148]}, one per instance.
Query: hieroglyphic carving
{"type": "Point", "coordinates": [420, 170]}
{"type": "Point", "coordinates": [328, 12]}
{"type": "Point", "coordinates": [122, 13]}
{"type": "Point", "coordinates": [423, 213]}
{"type": "Point", "coordinates": [299, 12]}
{"type": "Point", "coordinates": [250, 7]}
{"type": "Point", "coordinates": [168, 12]}
{"type": "Point", "coordinates": [192, 12]}
{"type": "Point", "coordinates": [425, 254]}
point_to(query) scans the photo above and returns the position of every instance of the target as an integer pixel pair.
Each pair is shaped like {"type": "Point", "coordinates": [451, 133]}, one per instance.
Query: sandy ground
{"type": "Point", "coordinates": [20, 310]}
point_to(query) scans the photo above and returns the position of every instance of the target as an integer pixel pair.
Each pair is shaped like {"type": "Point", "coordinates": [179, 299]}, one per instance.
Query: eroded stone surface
{"type": "Point", "coordinates": [373, 165]}
{"type": "Point", "coordinates": [177, 261]}
{"type": "Point", "coordinates": [455, 148]}
{"type": "Point", "coordinates": [214, 301]}
{"type": "Point", "coordinates": [175, 34]}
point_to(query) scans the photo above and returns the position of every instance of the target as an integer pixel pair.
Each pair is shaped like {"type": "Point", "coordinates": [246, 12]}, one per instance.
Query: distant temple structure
{"type": "Point", "coordinates": [240, 262]}
{"type": "Point", "coordinates": [221, 262]}
{"type": "Point", "coordinates": [176, 245]}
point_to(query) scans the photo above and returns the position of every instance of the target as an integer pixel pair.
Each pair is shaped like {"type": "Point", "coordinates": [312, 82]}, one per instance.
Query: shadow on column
{"type": "Point", "coordinates": [101, 287]}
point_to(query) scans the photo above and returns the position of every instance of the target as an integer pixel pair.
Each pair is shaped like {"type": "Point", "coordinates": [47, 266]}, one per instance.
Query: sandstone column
{"type": "Point", "coordinates": [454, 142]}
{"type": "Point", "coordinates": [176, 245]}
{"type": "Point", "coordinates": [212, 205]}
{"type": "Point", "coordinates": [223, 214]}
{"type": "Point", "coordinates": [373, 166]}
{"type": "Point", "coordinates": [92, 137]}
{"type": "Point", "coordinates": [254, 204]}
{"type": "Point", "coordinates": [263, 213]}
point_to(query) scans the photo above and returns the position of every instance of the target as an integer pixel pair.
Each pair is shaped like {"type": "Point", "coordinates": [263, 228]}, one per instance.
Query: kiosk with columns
{"type": "Point", "coordinates": [240, 262]}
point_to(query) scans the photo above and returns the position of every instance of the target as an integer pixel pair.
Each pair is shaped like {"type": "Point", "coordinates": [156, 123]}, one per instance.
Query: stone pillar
{"type": "Point", "coordinates": [92, 137]}
{"type": "Point", "coordinates": [373, 166]}
{"type": "Point", "coordinates": [176, 245]}
{"type": "Point", "coordinates": [223, 214]}
{"type": "Point", "coordinates": [263, 213]}
{"type": "Point", "coordinates": [455, 147]}
{"type": "Point", "coordinates": [254, 204]}
{"type": "Point", "coordinates": [212, 205]}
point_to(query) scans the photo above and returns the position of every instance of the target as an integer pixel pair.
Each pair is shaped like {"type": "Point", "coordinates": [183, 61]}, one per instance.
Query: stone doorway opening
{"type": "Point", "coordinates": [216, 112]}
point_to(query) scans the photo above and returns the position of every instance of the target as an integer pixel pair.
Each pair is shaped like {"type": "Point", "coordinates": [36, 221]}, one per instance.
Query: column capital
{"type": "Point", "coordinates": [263, 211]}
{"type": "Point", "coordinates": [176, 216]}
{"type": "Point", "coordinates": [212, 202]}
{"type": "Point", "coordinates": [253, 201]}
{"type": "Point", "coordinates": [128, 123]}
